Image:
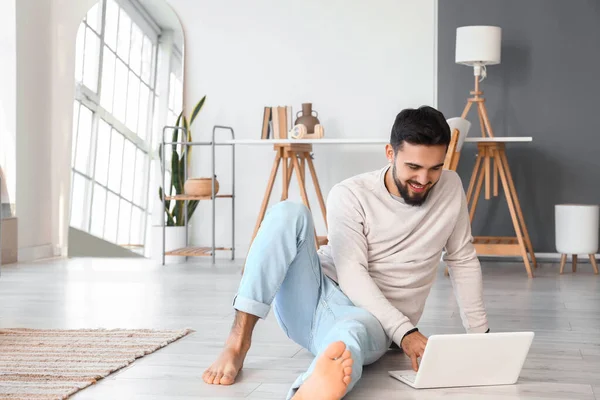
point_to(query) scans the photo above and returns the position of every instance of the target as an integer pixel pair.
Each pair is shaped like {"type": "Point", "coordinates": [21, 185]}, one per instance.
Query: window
{"type": "Point", "coordinates": [116, 72]}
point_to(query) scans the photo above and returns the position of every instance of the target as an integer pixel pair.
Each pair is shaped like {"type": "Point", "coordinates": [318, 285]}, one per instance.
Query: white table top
{"type": "Point", "coordinates": [497, 139]}
{"type": "Point", "coordinates": [505, 139]}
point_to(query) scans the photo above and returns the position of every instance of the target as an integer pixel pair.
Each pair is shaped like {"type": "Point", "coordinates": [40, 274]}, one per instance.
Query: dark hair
{"type": "Point", "coordinates": [422, 126]}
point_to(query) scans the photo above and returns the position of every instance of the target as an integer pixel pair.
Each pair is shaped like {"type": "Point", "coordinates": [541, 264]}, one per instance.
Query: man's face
{"type": "Point", "coordinates": [416, 169]}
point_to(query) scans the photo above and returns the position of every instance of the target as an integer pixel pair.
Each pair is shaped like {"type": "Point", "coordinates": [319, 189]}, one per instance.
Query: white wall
{"type": "Point", "coordinates": [8, 55]}
{"type": "Point", "coordinates": [359, 63]}
{"type": "Point", "coordinates": [46, 31]}
{"type": "Point", "coordinates": [34, 130]}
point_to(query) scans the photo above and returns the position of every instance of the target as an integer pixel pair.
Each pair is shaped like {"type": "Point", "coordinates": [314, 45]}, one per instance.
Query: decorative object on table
{"type": "Point", "coordinates": [300, 131]}
{"type": "Point", "coordinates": [576, 227]}
{"type": "Point", "coordinates": [201, 187]}
{"type": "Point", "coordinates": [478, 47]}
{"type": "Point", "coordinates": [56, 363]}
{"type": "Point", "coordinates": [277, 122]}
{"type": "Point", "coordinates": [307, 118]}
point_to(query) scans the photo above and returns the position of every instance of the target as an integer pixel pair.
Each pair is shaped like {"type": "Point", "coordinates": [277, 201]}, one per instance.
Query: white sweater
{"type": "Point", "coordinates": [385, 254]}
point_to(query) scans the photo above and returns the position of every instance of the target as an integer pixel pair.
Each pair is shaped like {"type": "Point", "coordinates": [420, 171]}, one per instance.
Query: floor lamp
{"type": "Point", "coordinates": [477, 47]}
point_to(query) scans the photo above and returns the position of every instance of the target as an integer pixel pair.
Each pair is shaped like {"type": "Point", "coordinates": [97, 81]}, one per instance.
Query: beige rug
{"type": "Point", "coordinates": [54, 364]}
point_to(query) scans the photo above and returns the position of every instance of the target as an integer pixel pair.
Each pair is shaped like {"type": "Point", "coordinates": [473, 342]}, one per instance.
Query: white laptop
{"type": "Point", "coordinates": [475, 359]}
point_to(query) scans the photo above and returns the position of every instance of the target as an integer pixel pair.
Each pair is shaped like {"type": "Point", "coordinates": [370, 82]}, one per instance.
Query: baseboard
{"type": "Point", "coordinates": [550, 257]}
{"type": "Point", "coordinates": [59, 251]}
{"type": "Point", "coordinates": [34, 253]}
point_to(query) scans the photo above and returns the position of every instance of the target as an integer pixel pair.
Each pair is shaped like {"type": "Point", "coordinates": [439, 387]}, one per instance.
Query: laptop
{"type": "Point", "coordinates": [475, 359]}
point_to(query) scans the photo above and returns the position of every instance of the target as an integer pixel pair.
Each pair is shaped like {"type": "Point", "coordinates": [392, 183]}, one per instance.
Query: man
{"type": "Point", "coordinates": [366, 290]}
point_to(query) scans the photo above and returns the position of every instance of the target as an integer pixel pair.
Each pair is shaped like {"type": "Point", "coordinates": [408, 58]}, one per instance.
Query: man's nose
{"type": "Point", "coordinates": [423, 177]}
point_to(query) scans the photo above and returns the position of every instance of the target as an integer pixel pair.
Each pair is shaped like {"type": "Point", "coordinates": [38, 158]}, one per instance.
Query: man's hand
{"type": "Point", "coordinates": [413, 345]}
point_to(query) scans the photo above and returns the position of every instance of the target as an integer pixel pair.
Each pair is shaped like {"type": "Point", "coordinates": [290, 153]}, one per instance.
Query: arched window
{"type": "Point", "coordinates": [117, 117]}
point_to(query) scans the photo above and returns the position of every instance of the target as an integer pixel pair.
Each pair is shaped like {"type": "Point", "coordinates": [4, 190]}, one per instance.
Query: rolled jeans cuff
{"type": "Point", "coordinates": [250, 306]}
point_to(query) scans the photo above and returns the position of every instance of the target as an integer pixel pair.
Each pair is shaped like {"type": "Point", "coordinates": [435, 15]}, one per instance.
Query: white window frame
{"type": "Point", "coordinates": [90, 99]}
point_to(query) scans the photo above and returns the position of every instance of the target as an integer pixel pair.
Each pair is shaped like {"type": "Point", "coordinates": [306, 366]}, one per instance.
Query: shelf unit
{"type": "Point", "coordinates": [199, 251]}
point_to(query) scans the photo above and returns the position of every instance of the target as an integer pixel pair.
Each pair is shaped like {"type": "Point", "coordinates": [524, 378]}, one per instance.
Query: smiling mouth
{"type": "Point", "coordinates": [416, 187]}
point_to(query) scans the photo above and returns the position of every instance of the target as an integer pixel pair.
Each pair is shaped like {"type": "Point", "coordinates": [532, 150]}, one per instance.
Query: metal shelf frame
{"type": "Point", "coordinates": [198, 251]}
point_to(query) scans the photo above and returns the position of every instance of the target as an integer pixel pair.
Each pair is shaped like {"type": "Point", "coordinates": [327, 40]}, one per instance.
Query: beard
{"type": "Point", "coordinates": [412, 199]}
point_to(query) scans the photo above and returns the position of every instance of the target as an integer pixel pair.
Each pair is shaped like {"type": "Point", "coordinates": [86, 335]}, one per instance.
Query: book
{"type": "Point", "coordinates": [266, 127]}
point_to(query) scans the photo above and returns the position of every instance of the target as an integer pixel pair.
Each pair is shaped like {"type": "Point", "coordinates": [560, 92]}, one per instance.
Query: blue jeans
{"type": "Point", "coordinates": [283, 269]}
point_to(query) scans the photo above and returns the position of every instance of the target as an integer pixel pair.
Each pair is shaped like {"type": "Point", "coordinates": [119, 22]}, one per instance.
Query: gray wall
{"type": "Point", "coordinates": [547, 86]}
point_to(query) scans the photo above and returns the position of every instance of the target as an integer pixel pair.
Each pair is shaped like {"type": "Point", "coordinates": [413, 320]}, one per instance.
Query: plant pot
{"type": "Point", "coordinates": [174, 239]}
{"type": "Point", "coordinates": [200, 187]}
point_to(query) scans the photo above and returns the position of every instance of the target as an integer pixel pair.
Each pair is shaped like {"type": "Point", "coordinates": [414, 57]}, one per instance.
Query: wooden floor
{"type": "Point", "coordinates": [564, 311]}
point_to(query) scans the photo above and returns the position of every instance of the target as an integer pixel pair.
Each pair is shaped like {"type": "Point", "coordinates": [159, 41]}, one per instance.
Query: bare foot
{"type": "Point", "coordinates": [230, 362]}
{"type": "Point", "coordinates": [330, 377]}
{"type": "Point", "coordinates": [225, 369]}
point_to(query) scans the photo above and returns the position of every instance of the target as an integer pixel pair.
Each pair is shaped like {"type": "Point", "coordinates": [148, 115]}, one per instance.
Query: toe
{"type": "Point", "coordinates": [348, 371]}
{"type": "Point", "coordinates": [206, 376]}
{"type": "Point", "coordinates": [217, 380]}
{"type": "Point", "coordinates": [213, 378]}
{"type": "Point", "coordinates": [335, 350]}
{"type": "Point", "coordinates": [209, 377]}
{"type": "Point", "coordinates": [346, 355]}
{"type": "Point", "coordinates": [347, 380]}
{"type": "Point", "coordinates": [348, 362]}
{"type": "Point", "coordinates": [227, 379]}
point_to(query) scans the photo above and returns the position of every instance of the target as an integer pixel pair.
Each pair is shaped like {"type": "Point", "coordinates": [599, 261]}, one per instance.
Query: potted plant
{"type": "Point", "coordinates": [175, 209]}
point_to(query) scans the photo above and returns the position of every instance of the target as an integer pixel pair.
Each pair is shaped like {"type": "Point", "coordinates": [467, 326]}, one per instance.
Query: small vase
{"type": "Point", "coordinates": [307, 119]}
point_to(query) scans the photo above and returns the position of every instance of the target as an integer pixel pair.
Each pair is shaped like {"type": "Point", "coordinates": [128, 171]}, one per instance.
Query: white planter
{"type": "Point", "coordinates": [174, 239]}
{"type": "Point", "coordinates": [577, 228]}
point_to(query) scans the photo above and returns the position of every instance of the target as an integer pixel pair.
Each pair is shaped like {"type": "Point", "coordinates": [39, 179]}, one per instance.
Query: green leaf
{"type": "Point", "coordinates": [176, 174]}
{"type": "Point", "coordinates": [192, 207]}
{"type": "Point", "coordinates": [186, 125]}
{"type": "Point", "coordinates": [175, 139]}
{"type": "Point", "coordinates": [181, 168]}
{"type": "Point", "coordinates": [167, 202]}
{"type": "Point", "coordinates": [170, 221]}
{"type": "Point", "coordinates": [197, 109]}
{"type": "Point", "coordinates": [178, 212]}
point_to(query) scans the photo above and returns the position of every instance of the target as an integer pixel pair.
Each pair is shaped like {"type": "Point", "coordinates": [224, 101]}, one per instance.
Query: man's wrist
{"type": "Point", "coordinates": [413, 330]}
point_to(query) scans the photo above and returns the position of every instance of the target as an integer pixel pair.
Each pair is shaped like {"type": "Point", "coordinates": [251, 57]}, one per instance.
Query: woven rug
{"type": "Point", "coordinates": [54, 364]}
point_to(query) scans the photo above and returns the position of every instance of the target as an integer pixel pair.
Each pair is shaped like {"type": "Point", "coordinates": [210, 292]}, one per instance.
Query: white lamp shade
{"type": "Point", "coordinates": [577, 228]}
{"type": "Point", "coordinates": [478, 45]}
{"type": "Point", "coordinates": [463, 127]}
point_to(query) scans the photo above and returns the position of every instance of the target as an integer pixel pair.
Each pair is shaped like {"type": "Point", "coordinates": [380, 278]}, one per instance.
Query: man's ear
{"type": "Point", "coordinates": [389, 153]}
